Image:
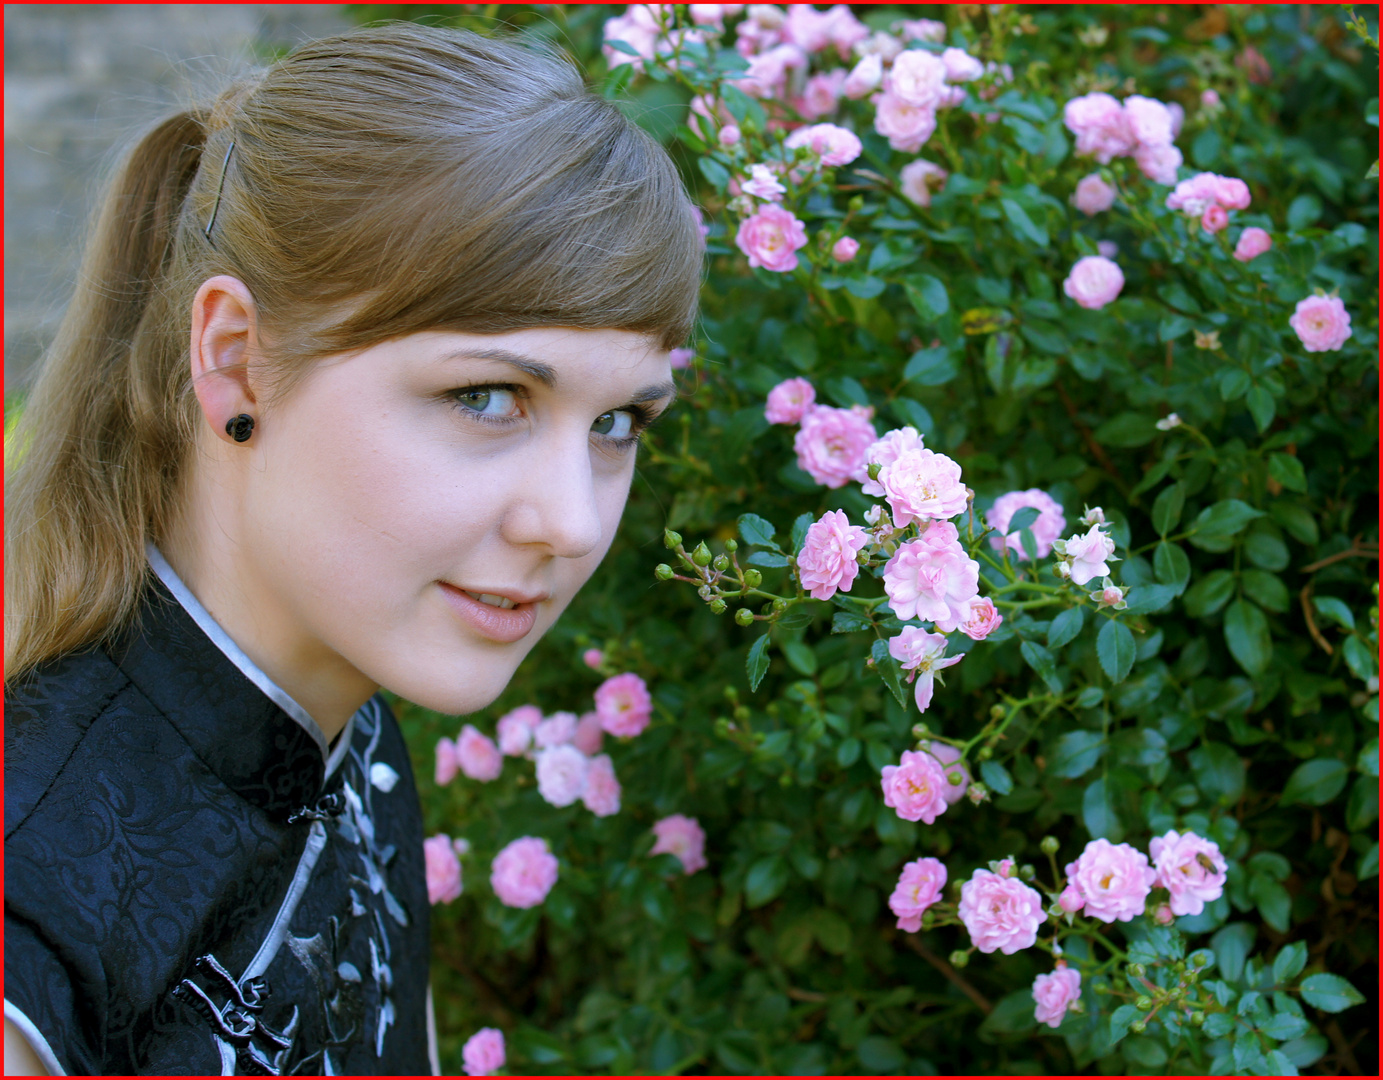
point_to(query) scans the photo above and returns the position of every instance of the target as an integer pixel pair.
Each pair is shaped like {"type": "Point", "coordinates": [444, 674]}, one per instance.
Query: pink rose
{"type": "Point", "coordinates": [1253, 242]}
{"type": "Point", "coordinates": [931, 582]}
{"type": "Point", "coordinates": [789, 401]}
{"type": "Point", "coordinates": [1210, 98]}
{"type": "Point", "coordinates": [1070, 899]}
{"type": "Point", "coordinates": [918, 78]}
{"type": "Point", "coordinates": [769, 71]}
{"type": "Point", "coordinates": [637, 28]}
{"type": "Point", "coordinates": [845, 249]}
{"type": "Point", "coordinates": [980, 618]}
{"type": "Point", "coordinates": [624, 704]}
{"type": "Point", "coordinates": [828, 561]}
{"type": "Point", "coordinates": [1196, 195]}
{"type": "Point", "coordinates": [524, 872]}
{"type": "Point", "coordinates": [588, 735]}
{"type": "Point", "coordinates": [713, 14]}
{"type": "Point", "coordinates": [1050, 523]}
{"type": "Point", "coordinates": [447, 764]}
{"type": "Point", "coordinates": [728, 136]}
{"type": "Point", "coordinates": [681, 836]}
{"type": "Point", "coordinates": [922, 485]}
{"type": "Point", "coordinates": [834, 145]}
{"type": "Point", "coordinates": [921, 654]}
{"type": "Point", "coordinates": [906, 126]}
{"type": "Point", "coordinates": [864, 78]}
{"type": "Point", "coordinates": [593, 658]}
{"type": "Point", "coordinates": [1115, 880]}
{"type": "Point", "coordinates": [555, 730]}
{"type": "Point", "coordinates": [680, 358]}
{"type": "Point", "coordinates": [821, 96]}
{"type": "Point", "coordinates": [515, 729]}
{"type": "Point", "coordinates": [1087, 554]}
{"type": "Point", "coordinates": [477, 755]}
{"type": "Point", "coordinates": [807, 28]}
{"type": "Point", "coordinates": [602, 791]}
{"type": "Point", "coordinates": [483, 1054]}
{"type": "Point", "coordinates": [1189, 867]}
{"type": "Point", "coordinates": [1101, 127]}
{"type": "Point", "coordinates": [1000, 913]}
{"type": "Point", "coordinates": [919, 887]}
{"type": "Point", "coordinates": [771, 238]}
{"type": "Point", "coordinates": [1093, 195]}
{"type": "Point", "coordinates": [1178, 117]}
{"type": "Point", "coordinates": [885, 451]}
{"type": "Point", "coordinates": [1322, 323]}
{"type": "Point", "coordinates": [1159, 163]}
{"type": "Point", "coordinates": [443, 870]}
{"type": "Point", "coordinates": [916, 787]}
{"type": "Point", "coordinates": [1232, 193]}
{"type": "Point", "coordinates": [918, 178]}
{"type": "Point", "coordinates": [845, 30]}
{"type": "Point", "coordinates": [762, 184]}
{"type": "Point", "coordinates": [831, 443]}
{"type": "Point", "coordinates": [1163, 915]}
{"type": "Point", "coordinates": [921, 30]}
{"type": "Point", "coordinates": [1094, 282]}
{"type": "Point", "coordinates": [1214, 219]}
{"type": "Point", "coordinates": [1107, 248]}
{"type": "Point", "coordinates": [948, 756]}
{"type": "Point", "coordinates": [1054, 994]}
{"type": "Point", "coordinates": [961, 66]}
{"type": "Point", "coordinates": [1149, 120]}
{"type": "Point", "coordinates": [561, 772]}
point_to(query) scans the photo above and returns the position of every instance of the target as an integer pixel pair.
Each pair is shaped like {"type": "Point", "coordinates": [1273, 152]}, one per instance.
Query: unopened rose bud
{"type": "Point", "coordinates": [741, 712]}
{"type": "Point", "coordinates": [671, 539]}
{"type": "Point", "coordinates": [717, 606]}
{"type": "Point", "coordinates": [985, 753]}
{"type": "Point", "coordinates": [996, 712]}
{"type": "Point", "coordinates": [955, 779]}
{"type": "Point", "coordinates": [701, 554]}
{"type": "Point", "coordinates": [729, 135]}
{"type": "Point", "coordinates": [1070, 899]}
{"type": "Point", "coordinates": [732, 546]}
{"type": "Point", "coordinates": [1101, 988]}
{"type": "Point", "coordinates": [1199, 960]}
{"type": "Point", "coordinates": [1027, 872]}
{"type": "Point", "coordinates": [1137, 971]}
{"type": "Point", "coordinates": [1049, 845]}
{"type": "Point", "coordinates": [928, 919]}
{"type": "Point", "coordinates": [779, 605]}
{"type": "Point", "coordinates": [1138, 1027]}
{"type": "Point", "coordinates": [721, 563]}
{"type": "Point", "coordinates": [960, 958]}
{"type": "Point", "coordinates": [753, 578]}
{"type": "Point", "coordinates": [1197, 1018]}
{"type": "Point", "coordinates": [744, 617]}
{"type": "Point", "coordinates": [874, 469]}
{"type": "Point", "coordinates": [705, 593]}
{"type": "Point", "coordinates": [1143, 1004]}
{"type": "Point", "coordinates": [977, 793]}
{"type": "Point", "coordinates": [722, 726]}
{"type": "Point", "coordinates": [1163, 915]}
{"type": "Point", "coordinates": [663, 572]}
{"type": "Point", "coordinates": [920, 731]}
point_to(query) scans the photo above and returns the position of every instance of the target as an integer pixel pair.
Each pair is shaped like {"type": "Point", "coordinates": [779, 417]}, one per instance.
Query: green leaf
{"type": "Point", "coordinates": [1076, 753]}
{"type": "Point", "coordinates": [1272, 901]}
{"type": "Point", "coordinates": [1297, 520]}
{"type": "Point", "coordinates": [889, 670]}
{"type": "Point", "coordinates": [1119, 1021]}
{"type": "Point", "coordinates": [996, 777]}
{"type": "Point", "coordinates": [1231, 945]}
{"type": "Point", "coordinates": [757, 664]}
{"type": "Point", "coordinates": [1266, 589]}
{"type": "Point", "coordinates": [1304, 210]}
{"type": "Point", "coordinates": [1246, 634]}
{"type": "Point", "coordinates": [928, 296]}
{"type": "Point", "coordinates": [1024, 225]}
{"type": "Point", "coordinates": [1285, 1026]}
{"type": "Point", "coordinates": [1288, 963]}
{"type": "Point", "coordinates": [845, 622]}
{"type": "Point", "coordinates": [1225, 518]}
{"type": "Point", "coordinates": [1023, 519]}
{"type": "Point", "coordinates": [1209, 594]}
{"type": "Point", "coordinates": [1219, 772]}
{"type": "Point", "coordinates": [1336, 611]}
{"type": "Point", "coordinates": [1234, 383]}
{"type": "Point", "coordinates": [1127, 429]}
{"type": "Point", "coordinates": [866, 288]}
{"type": "Point", "coordinates": [1315, 782]}
{"type": "Point", "coordinates": [1012, 1015]}
{"type": "Point", "coordinates": [1145, 1051]}
{"type": "Point", "coordinates": [1262, 407]}
{"type": "Point", "coordinates": [880, 1055]}
{"type": "Point", "coordinates": [1098, 812]}
{"type": "Point", "coordinates": [1116, 650]}
{"type": "Point", "coordinates": [932, 367]}
{"type": "Point", "coordinates": [1362, 808]}
{"type": "Point", "coordinates": [800, 525]}
{"type": "Point", "coordinates": [1042, 662]}
{"type": "Point", "coordinates": [1166, 511]}
{"type": "Point", "coordinates": [715, 172]}
{"type": "Point", "coordinates": [1330, 993]}
{"type": "Point", "coordinates": [1144, 599]}
{"type": "Point", "coordinates": [1305, 1051]}
{"type": "Point", "coordinates": [800, 657]}
{"type": "Point", "coordinates": [848, 752]}
{"type": "Point", "coordinates": [755, 530]}
{"type": "Point", "coordinates": [770, 560]}
{"type": "Point", "coordinates": [1171, 566]}
{"type": "Point", "coordinates": [1065, 627]}
{"type": "Point", "coordinates": [767, 878]}
{"type": "Point", "coordinates": [1287, 471]}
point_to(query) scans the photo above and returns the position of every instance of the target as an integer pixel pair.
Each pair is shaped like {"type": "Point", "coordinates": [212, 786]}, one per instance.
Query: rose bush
{"type": "Point", "coordinates": [1110, 301]}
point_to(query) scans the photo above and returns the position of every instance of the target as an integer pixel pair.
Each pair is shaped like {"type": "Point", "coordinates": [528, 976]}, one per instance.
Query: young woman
{"type": "Point", "coordinates": [347, 399]}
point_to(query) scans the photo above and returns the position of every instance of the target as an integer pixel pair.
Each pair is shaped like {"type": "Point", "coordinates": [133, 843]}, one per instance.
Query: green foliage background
{"type": "Point", "coordinates": [1246, 716]}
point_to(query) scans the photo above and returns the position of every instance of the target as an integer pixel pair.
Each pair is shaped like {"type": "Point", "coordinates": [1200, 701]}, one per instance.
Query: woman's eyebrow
{"type": "Point", "coordinates": [535, 369]}
{"type": "Point", "coordinates": [654, 393]}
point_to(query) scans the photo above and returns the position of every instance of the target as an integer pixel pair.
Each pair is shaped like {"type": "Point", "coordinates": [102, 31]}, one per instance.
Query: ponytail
{"type": "Point", "coordinates": [95, 440]}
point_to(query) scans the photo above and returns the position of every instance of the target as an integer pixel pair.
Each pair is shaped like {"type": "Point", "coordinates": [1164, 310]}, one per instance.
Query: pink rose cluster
{"type": "Point", "coordinates": [682, 836]}
{"type": "Point", "coordinates": [932, 578]}
{"type": "Point", "coordinates": [442, 864]}
{"type": "Point", "coordinates": [1210, 197]}
{"type": "Point", "coordinates": [1050, 523]}
{"type": "Point", "coordinates": [1112, 882]}
{"type": "Point", "coordinates": [1086, 555]}
{"type": "Point", "coordinates": [483, 1054]}
{"type": "Point", "coordinates": [1253, 242]}
{"type": "Point", "coordinates": [1093, 195]}
{"type": "Point", "coordinates": [1055, 993]}
{"type": "Point", "coordinates": [771, 238]}
{"type": "Point", "coordinates": [915, 87]}
{"type": "Point", "coordinates": [1094, 282]}
{"type": "Point", "coordinates": [1139, 127]}
{"type": "Point", "coordinates": [831, 443]}
{"type": "Point", "coordinates": [472, 753]}
{"type": "Point", "coordinates": [916, 788]}
{"type": "Point", "coordinates": [918, 888]}
{"type": "Point", "coordinates": [624, 705]}
{"type": "Point", "coordinates": [1190, 868]}
{"type": "Point", "coordinates": [829, 560]}
{"type": "Point", "coordinates": [1000, 912]}
{"type": "Point", "coordinates": [1322, 323]}
{"type": "Point", "coordinates": [524, 872]}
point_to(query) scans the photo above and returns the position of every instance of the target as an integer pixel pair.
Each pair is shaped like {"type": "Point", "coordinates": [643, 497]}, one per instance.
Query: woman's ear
{"type": "Point", "coordinates": [224, 338]}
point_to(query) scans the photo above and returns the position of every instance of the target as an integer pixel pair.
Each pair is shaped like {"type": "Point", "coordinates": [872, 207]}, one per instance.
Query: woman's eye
{"type": "Point", "coordinates": [489, 401]}
{"type": "Point", "coordinates": [618, 424]}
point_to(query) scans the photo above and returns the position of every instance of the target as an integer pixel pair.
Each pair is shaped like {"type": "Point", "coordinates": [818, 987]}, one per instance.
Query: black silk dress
{"type": "Point", "coordinates": [195, 883]}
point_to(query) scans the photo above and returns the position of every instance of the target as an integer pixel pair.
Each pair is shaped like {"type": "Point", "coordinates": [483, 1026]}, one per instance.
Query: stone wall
{"type": "Point", "coordinates": [82, 80]}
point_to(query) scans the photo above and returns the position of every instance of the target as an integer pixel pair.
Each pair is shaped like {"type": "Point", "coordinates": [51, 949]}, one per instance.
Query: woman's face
{"type": "Point", "coordinates": [418, 514]}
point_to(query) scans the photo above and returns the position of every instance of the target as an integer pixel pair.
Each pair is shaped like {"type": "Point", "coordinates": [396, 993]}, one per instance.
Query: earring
{"type": "Point", "coordinates": [240, 427]}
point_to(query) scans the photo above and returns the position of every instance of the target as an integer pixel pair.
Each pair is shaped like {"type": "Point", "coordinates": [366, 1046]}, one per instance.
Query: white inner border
{"type": "Point", "coordinates": [15, 1015]}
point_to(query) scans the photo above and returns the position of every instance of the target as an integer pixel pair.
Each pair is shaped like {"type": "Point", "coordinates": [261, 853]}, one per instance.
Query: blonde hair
{"type": "Point", "coordinates": [382, 182]}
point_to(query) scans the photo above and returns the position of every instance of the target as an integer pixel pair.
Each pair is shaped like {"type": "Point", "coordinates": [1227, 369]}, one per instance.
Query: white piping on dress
{"type": "Point", "coordinates": [37, 1043]}
{"type": "Point", "coordinates": [273, 941]}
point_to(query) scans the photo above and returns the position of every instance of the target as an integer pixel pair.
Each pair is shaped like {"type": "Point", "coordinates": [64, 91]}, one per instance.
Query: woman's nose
{"type": "Point", "coordinates": [555, 503]}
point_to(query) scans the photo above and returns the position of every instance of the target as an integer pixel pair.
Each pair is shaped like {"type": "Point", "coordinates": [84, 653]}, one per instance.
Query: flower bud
{"type": "Point", "coordinates": [1027, 872]}
{"type": "Point", "coordinates": [1143, 1004]}
{"type": "Point", "coordinates": [1101, 988]}
{"type": "Point", "coordinates": [753, 578]}
{"type": "Point", "coordinates": [663, 572]}
{"type": "Point", "coordinates": [977, 793]}
{"type": "Point", "coordinates": [1070, 899]}
{"type": "Point", "coordinates": [954, 779]}
{"type": "Point", "coordinates": [721, 563]}
{"type": "Point", "coordinates": [1137, 971]}
{"type": "Point", "coordinates": [1199, 960]}
{"type": "Point", "coordinates": [671, 539]}
{"type": "Point", "coordinates": [960, 958]}
{"type": "Point", "coordinates": [997, 712]}
{"type": "Point", "coordinates": [1197, 1018]}
{"type": "Point", "coordinates": [744, 617]}
{"type": "Point", "coordinates": [780, 605]}
{"type": "Point", "coordinates": [928, 919]}
{"type": "Point", "coordinates": [1163, 915]}
{"type": "Point", "coordinates": [717, 606]}
{"type": "Point", "coordinates": [741, 712]}
{"type": "Point", "coordinates": [1049, 845]}
{"type": "Point", "coordinates": [984, 753]}
{"type": "Point", "coordinates": [701, 554]}
{"type": "Point", "coordinates": [920, 731]}
{"type": "Point", "coordinates": [722, 726]}
{"type": "Point", "coordinates": [732, 545]}
{"type": "Point", "coordinates": [1138, 1027]}
{"type": "Point", "coordinates": [874, 468]}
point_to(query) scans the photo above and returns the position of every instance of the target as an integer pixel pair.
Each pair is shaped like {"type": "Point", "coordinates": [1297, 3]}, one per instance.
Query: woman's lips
{"type": "Point", "coordinates": [504, 625]}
